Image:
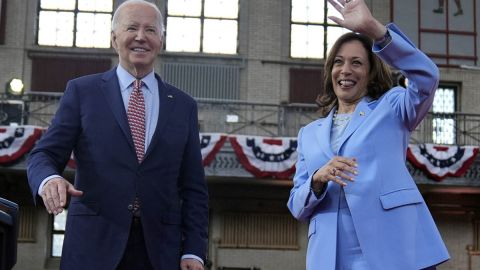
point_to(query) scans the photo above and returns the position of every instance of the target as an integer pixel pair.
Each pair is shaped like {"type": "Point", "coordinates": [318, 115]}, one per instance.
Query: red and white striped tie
{"type": "Point", "coordinates": [136, 119]}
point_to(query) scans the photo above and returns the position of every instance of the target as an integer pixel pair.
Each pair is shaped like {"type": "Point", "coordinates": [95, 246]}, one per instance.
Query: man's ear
{"type": "Point", "coordinates": [113, 37]}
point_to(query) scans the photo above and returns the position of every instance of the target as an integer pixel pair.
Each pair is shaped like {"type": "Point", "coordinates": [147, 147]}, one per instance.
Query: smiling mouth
{"type": "Point", "coordinates": [139, 50]}
{"type": "Point", "coordinates": [347, 83]}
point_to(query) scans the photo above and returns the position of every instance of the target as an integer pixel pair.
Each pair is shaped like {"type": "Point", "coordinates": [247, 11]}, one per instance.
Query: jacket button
{"type": "Point", "coordinates": [130, 207]}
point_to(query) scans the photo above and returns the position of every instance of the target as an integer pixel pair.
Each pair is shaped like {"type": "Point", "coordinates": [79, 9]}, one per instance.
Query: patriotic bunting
{"type": "Point", "coordinates": [440, 162]}
{"type": "Point", "coordinates": [266, 157]}
{"type": "Point", "coordinates": [210, 144]}
{"type": "Point", "coordinates": [15, 141]}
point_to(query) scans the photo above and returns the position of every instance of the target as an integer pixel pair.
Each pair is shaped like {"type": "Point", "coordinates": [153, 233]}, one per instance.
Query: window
{"type": "Point", "coordinates": [209, 26]}
{"type": "Point", "coordinates": [75, 23]}
{"type": "Point", "coordinates": [58, 232]}
{"type": "Point", "coordinates": [312, 33]}
{"type": "Point", "coordinates": [445, 30]}
{"type": "Point", "coordinates": [443, 121]}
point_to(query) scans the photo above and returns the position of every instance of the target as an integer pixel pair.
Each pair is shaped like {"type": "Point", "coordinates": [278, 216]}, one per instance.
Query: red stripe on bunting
{"type": "Point", "coordinates": [211, 155]}
{"type": "Point", "coordinates": [427, 168]}
{"type": "Point", "coordinates": [26, 146]}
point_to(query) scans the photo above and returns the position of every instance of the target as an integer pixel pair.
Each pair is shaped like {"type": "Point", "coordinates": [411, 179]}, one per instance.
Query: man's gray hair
{"type": "Point", "coordinates": [161, 27]}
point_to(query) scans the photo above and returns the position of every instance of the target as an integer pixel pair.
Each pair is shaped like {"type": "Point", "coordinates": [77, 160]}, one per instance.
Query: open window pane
{"type": "Point", "coordinates": [95, 5]}
{"type": "Point", "coordinates": [85, 29]}
{"type": "Point", "coordinates": [333, 34]}
{"type": "Point", "coordinates": [209, 26]}
{"type": "Point", "coordinates": [220, 36]}
{"type": "Point", "coordinates": [185, 8]}
{"type": "Point", "coordinates": [444, 108]}
{"type": "Point", "coordinates": [58, 4]}
{"type": "Point", "coordinates": [93, 30]}
{"type": "Point", "coordinates": [59, 221]}
{"type": "Point", "coordinates": [47, 25]}
{"type": "Point", "coordinates": [221, 9]}
{"type": "Point", "coordinates": [306, 41]}
{"type": "Point", "coordinates": [75, 23]}
{"type": "Point", "coordinates": [183, 34]}
{"type": "Point", "coordinates": [55, 28]}
{"type": "Point", "coordinates": [312, 33]}
{"type": "Point", "coordinates": [443, 131]}
{"type": "Point", "coordinates": [307, 11]}
{"type": "Point", "coordinates": [57, 245]}
{"type": "Point", "coordinates": [444, 101]}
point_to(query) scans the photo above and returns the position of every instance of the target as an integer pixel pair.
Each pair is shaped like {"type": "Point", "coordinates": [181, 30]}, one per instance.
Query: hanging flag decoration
{"type": "Point", "coordinates": [210, 144]}
{"type": "Point", "coordinates": [439, 161]}
{"type": "Point", "coordinates": [266, 157]}
{"type": "Point", "coordinates": [15, 141]}
{"type": "Point", "coordinates": [263, 156]}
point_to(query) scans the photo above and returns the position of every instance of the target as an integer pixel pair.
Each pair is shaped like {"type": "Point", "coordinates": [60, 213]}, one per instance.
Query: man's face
{"type": "Point", "coordinates": [137, 38]}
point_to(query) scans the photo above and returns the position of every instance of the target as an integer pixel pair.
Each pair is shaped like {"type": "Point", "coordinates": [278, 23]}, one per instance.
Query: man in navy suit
{"type": "Point", "coordinates": [133, 205]}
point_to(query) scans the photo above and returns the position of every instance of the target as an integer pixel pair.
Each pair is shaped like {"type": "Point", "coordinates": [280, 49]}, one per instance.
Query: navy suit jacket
{"type": "Point", "coordinates": [170, 184]}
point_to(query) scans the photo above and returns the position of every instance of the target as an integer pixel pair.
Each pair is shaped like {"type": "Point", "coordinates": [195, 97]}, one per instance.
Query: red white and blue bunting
{"type": "Point", "coordinates": [210, 144]}
{"type": "Point", "coordinates": [15, 141]}
{"type": "Point", "coordinates": [439, 161]}
{"type": "Point", "coordinates": [266, 157]}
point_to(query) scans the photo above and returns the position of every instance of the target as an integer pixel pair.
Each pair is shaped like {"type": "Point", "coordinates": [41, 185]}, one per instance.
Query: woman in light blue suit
{"type": "Point", "coordinates": [351, 183]}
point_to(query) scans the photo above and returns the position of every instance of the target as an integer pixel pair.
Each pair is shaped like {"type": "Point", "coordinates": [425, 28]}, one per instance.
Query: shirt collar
{"type": "Point", "coordinates": [126, 79]}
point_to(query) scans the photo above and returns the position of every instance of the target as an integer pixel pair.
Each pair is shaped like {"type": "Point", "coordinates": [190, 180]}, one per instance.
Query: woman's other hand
{"type": "Point", "coordinates": [338, 170]}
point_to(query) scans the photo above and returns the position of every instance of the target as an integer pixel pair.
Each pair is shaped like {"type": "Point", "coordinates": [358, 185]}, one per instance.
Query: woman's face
{"type": "Point", "coordinates": [350, 72]}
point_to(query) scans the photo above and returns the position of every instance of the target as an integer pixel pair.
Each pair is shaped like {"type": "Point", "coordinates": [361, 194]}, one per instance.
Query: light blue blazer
{"type": "Point", "coordinates": [394, 226]}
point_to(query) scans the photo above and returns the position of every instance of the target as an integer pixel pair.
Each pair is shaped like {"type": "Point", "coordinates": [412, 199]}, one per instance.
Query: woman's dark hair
{"type": "Point", "coordinates": [379, 81]}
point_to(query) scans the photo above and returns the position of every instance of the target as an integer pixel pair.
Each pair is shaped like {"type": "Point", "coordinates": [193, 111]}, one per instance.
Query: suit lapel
{"type": "Point", "coordinates": [323, 134]}
{"type": "Point", "coordinates": [362, 111]}
{"type": "Point", "coordinates": [111, 90]}
{"type": "Point", "coordinates": [167, 102]}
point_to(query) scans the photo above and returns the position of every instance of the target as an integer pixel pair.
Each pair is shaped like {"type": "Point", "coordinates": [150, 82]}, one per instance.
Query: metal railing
{"type": "Point", "coordinates": [253, 118]}
{"type": "Point", "coordinates": [451, 128]}
{"type": "Point", "coordinates": [268, 119]}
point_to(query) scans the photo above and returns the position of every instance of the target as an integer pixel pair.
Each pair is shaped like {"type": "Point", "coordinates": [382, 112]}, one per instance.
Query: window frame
{"type": "Point", "coordinates": [447, 115]}
{"type": "Point", "coordinates": [202, 19]}
{"type": "Point", "coordinates": [325, 24]}
{"type": "Point", "coordinates": [75, 12]}
{"type": "Point", "coordinates": [440, 30]}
